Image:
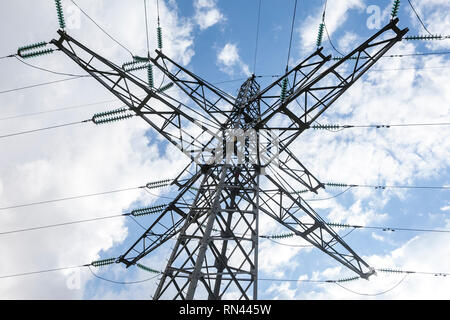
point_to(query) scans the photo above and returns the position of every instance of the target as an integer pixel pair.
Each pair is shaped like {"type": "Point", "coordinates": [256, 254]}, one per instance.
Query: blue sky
{"type": "Point", "coordinates": [216, 39]}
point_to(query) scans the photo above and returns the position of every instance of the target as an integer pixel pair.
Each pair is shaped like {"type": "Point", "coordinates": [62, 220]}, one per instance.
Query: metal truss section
{"type": "Point", "coordinates": [216, 250]}
{"type": "Point", "coordinates": [246, 110]}
{"type": "Point", "coordinates": [292, 212]}
{"type": "Point", "coordinates": [168, 224]}
{"type": "Point", "coordinates": [304, 103]}
{"type": "Point", "coordinates": [190, 130]}
{"type": "Point", "coordinates": [217, 103]}
{"type": "Point", "coordinates": [270, 97]}
{"type": "Point", "coordinates": [291, 173]}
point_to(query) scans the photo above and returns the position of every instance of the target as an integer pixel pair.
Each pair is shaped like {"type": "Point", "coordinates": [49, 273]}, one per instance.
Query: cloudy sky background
{"type": "Point", "coordinates": [216, 39]}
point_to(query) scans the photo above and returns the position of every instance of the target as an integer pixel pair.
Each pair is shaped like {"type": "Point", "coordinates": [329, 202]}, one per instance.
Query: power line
{"type": "Point", "coordinates": [382, 187]}
{"type": "Point", "coordinates": [402, 187]}
{"type": "Point", "coordinates": [338, 128]}
{"type": "Point", "coordinates": [146, 186]}
{"type": "Point", "coordinates": [413, 68]}
{"type": "Point", "coordinates": [329, 39]}
{"type": "Point", "coordinates": [332, 197]}
{"type": "Point", "coordinates": [99, 118]}
{"type": "Point", "coordinates": [418, 17]}
{"type": "Point", "coordinates": [146, 28]}
{"type": "Point", "coordinates": [387, 229]}
{"type": "Point", "coordinates": [57, 109]}
{"type": "Point", "coordinates": [157, 11]}
{"type": "Point", "coordinates": [61, 224]}
{"type": "Point", "coordinates": [41, 271]}
{"type": "Point", "coordinates": [9, 56]}
{"type": "Point", "coordinates": [257, 37]}
{"type": "Point", "coordinates": [242, 79]}
{"type": "Point", "coordinates": [48, 70]}
{"type": "Point", "coordinates": [269, 237]}
{"type": "Point", "coordinates": [42, 84]}
{"type": "Point", "coordinates": [104, 31]}
{"type": "Point", "coordinates": [401, 55]}
{"type": "Point", "coordinates": [292, 32]}
{"type": "Point", "coordinates": [43, 129]}
{"type": "Point", "coordinates": [401, 125]}
{"type": "Point", "coordinates": [416, 54]}
{"type": "Point", "coordinates": [437, 274]}
{"type": "Point", "coordinates": [326, 29]}
{"type": "Point", "coordinates": [373, 294]}
{"type": "Point", "coordinates": [69, 198]}
{"type": "Point", "coordinates": [440, 274]}
{"type": "Point", "coordinates": [121, 282]}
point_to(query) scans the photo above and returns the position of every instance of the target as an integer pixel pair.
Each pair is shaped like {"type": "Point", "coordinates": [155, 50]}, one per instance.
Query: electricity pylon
{"type": "Point", "coordinates": [241, 165]}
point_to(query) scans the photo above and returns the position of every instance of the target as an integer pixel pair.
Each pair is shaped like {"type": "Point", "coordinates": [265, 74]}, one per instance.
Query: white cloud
{"type": "Point", "coordinates": [431, 13]}
{"type": "Point", "coordinates": [377, 236]}
{"type": "Point", "coordinates": [228, 58]}
{"type": "Point", "coordinates": [336, 15]}
{"type": "Point", "coordinates": [207, 14]}
{"type": "Point", "coordinates": [348, 41]}
{"type": "Point", "coordinates": [228, 55]}
{"type": "Point", "coordinates": [74, 160]}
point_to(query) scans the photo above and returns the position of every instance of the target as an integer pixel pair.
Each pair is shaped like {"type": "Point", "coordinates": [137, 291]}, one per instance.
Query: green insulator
{"type": "Point", "coordinates": [104, 262]}
{"type": "Point", "coordinates": [140, 59]}
{"type": "Point", "coordinates": [150, 75]}
{"type": "Point", "coordinates": [320, 35]}
{"type": "Point", "coordinates": [109, 113]}
{"type": "Point", "coordinates": [281, 236]}
{"type": "Point", "coordinates": [60, 13]}
{"type": "Point", "coordinates": [348, 279]}
{"type": "Point", "coordinates": [159, 36]}
{"type": "Point", "coordinates": [36, 53]}
{"type": "Point", "coordinates": [395, 7]}
{"type": "Point", "coordinates": [148, 210]}
{"type": "Point", "coordinates": [326, 127]}
{"type": "Point", "coordinates": [165, 87]}
{"type": "Point", "coordinates": [158, 184]}
{"type": "Point", "coordinates": [134, 67]}
{"type": "Point", "coordinates": [127, 64]}
{"type": "Point", "coordinates": [300, 191]}
{"type": "Point", "coordinates": [338, 225]}
{"type": "Point", "coordinates": [388, 270]}
{"type": "Point", "coordinates": [427, 37]}
{"type": "Point", "coordinates": [340, 185]}
{"type": "Point", "coordinates": [111, 119]}
{"type": "Point", "coordinates": [283, 89]}
{"type": "Point", "coordinates": [31, 46]}
{"type": "Point", "coordinates": [145, 268]}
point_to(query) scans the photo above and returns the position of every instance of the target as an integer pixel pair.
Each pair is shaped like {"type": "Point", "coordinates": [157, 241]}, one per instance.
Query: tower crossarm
{"type": "Point", "coordinates": [286, 165]}
{"type": "Point", "coordinates": [291, 211]}
{"type": "Point", "coordinates": [217, 103]}
{"type": "Point", "coordinates": [297, 77]}
{"type": "Point", "coordinates": [302, 105]}
{"type": "Point", "coordinates": [190, 130]}
{"type": "Point", "coordinates": [166, 225]}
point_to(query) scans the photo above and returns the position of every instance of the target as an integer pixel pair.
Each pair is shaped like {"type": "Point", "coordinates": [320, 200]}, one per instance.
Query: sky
{"type": "Point", "coordinates": [217, 40]}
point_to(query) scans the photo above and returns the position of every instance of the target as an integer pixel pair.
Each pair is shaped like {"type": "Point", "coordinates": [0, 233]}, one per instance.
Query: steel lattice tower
{"type": "Point", "coordinates": [216, 231]}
